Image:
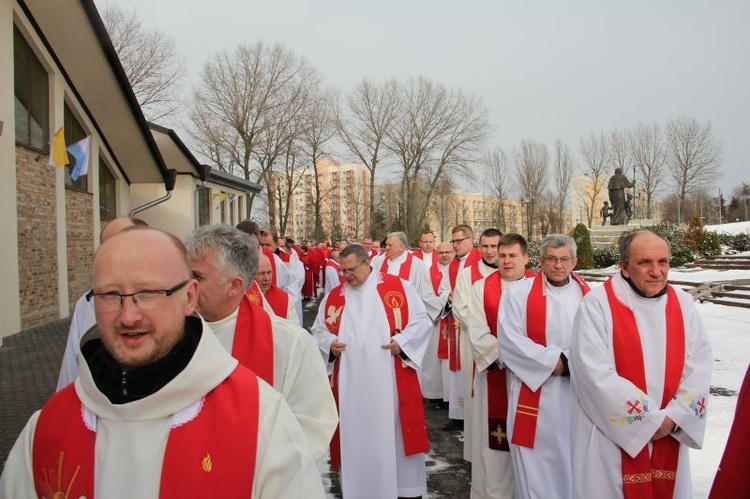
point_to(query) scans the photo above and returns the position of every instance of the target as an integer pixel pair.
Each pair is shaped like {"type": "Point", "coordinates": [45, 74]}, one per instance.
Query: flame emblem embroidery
{"type": "Point", "coordinates": [206, 463]}
{"type": "Point", "coordinates": [52, 483]}
{"type": "Point", "coordinates": [394, 299]}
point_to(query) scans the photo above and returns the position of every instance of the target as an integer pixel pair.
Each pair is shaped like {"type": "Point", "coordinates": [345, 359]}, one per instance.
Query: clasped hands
{"type": "Point", "coordinates": [339, 346]}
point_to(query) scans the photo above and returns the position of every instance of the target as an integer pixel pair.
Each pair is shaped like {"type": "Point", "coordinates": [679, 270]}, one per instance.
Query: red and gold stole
{"type": "Point", "coordinates": [411, 410]}
{"type": "Point", "coordinates": [649, 476]}
{"type": "Point", "coordinates": [284, 257]}
{"type": "Point", "coordinates": [253, 338]}
{"type": "Point", "coordinates": [497, 393]}
{"type": "Point", "coordinates": [214, 451]}
{"type": "Point", "coordinates": [403, 271]}
{"type": "Point", "coordinates": [527, 411]}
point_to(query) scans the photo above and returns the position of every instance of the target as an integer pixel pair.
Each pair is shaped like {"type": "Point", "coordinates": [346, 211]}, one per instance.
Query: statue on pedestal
{"type": "Point", "coordinates": [617, 185]}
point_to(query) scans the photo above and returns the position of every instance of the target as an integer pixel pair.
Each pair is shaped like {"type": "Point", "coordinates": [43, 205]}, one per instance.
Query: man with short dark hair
{"type": "Point", "coordinates": [535, 327]}
{"type": "Point", "coordinates": [160, 409]}
{"type": "Point", "coordinates": [640, 365]}
{"type": "Point", "coordinates": [372, 332]}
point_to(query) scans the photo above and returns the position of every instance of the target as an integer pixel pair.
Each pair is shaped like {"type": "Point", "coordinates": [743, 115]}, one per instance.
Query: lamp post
{"type": "Point", "coordinates": [527, 202]}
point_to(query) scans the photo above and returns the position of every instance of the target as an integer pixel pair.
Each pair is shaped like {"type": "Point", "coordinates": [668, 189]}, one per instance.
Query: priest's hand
{"type": "Point", "coordinates": [337, 347]}
{"type": "Point", "coordinates": [393, 346]}
{"type": "Point", "coordinates": [559, 368]}
{"type": "Point", "coordinates": [666, 428]}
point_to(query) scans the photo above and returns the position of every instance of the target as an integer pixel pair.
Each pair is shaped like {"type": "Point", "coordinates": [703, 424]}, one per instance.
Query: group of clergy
{"type": "Point", "coordinates": [562, 391]}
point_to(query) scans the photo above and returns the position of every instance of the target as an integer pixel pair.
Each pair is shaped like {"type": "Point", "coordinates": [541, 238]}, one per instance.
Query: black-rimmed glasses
{"type": "Point", "coordinates": [147, 299]}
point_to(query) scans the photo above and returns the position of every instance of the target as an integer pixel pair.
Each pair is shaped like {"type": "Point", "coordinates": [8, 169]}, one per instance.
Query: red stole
{"type": "Point", "coordinates": [253, 339]}
{"type": "Point", "coordinates": [497, 392]}
{"type": "Point", "coordinates": [224, 433]}
{"type": "Point", "coordinates": [474, 256]}
{"type": "Point", "coordinates": [270, 256]}
{"type": "Point", "coordinates": [527, 410]}
{"type": "Point", "coordinates": [284, 256]}
{"type": "Point", "coordinates": [436, 276]}
{"type": "Point", "coordinates": [410, 408]}
{"type": "Point", "coordinates": [648, 476]}
{"type": "Point", "coordinates": [403, 271]}
{"type": "Point", "coordinates": [278, 299]}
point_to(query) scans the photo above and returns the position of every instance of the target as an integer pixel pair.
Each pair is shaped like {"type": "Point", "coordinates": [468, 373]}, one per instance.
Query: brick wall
{"type": "Point", "coordinates": [37, 238]}
{"type": "Point", "coordinates": [80, 240]}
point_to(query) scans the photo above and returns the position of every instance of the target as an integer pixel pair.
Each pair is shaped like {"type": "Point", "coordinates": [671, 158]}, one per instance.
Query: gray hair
{"type": "Point", "coordinates": [400, 236]}
{"type": "Point", "coordinates": [236, 253]}
{"type": "Point", "coordinates": [355, 249]}
{"type": "Point", "coordinates": [623, 245]}
{"type": "Point", "coordinates": [558, 241]}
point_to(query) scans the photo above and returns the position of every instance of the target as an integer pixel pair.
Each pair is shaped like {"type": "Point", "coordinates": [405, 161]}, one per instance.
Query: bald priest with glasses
{"type": "Point", "coordinates": [160, 409]}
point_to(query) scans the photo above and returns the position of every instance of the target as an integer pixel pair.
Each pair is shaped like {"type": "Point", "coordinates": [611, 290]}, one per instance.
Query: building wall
{"type": "Point", "coordinates": [80, 238]}
{"type": "Point", "coordinates": [10, 311]}
{"type": "Point", "coordinates": [37, 238]}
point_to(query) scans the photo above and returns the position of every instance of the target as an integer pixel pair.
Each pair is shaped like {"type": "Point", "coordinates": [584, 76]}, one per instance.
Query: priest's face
{"type": "Point", "coordinates": [489, 246]}
{"type": "Point", "coordinates": [367, 243]}
{"type": "Point", "coordinates": [139, 330]}
{"type": "Point", "coordinates": [427, 242]}
{"type": "Point", "coordinates": [462, 244]}
{"type": "Point", "coordinates": [219, 294]}
{"type": "Point", "coordinates": [445, 253]}
{"type": "Point", "coordinates": [648, 263]}
{"type": "Point", "coordinates": [511, 262]}
{"type": "Point", "coordinates": [394, 248]}
{"type": "Point", "coordinates": [264, 275]}
{"type": "Point", "coordinates": [355, 271]}
{"type": "Point", "coordinates": [557, 264]}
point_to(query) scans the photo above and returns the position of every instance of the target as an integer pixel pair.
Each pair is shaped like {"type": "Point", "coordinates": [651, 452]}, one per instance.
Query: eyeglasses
{"type": "Point", "coordinates": [557, 259]}
{"type": "Point", "coordinates": [458, 241]}
{"type": "Point", "coordinates": [353, 269]}
{"type": "Point", "coordinates": [445, 252]}
{"type": "Point", "coordinates": [147, 299]}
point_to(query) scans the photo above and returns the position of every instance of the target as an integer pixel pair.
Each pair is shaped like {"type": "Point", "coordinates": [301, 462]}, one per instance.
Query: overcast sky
{"type": "Point", "coordinates": [545, 69]}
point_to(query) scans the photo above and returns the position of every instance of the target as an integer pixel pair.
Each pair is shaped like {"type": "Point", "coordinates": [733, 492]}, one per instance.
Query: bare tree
{"type": "Point", "coordinates": [444, 207]}
{"type": "Point", "coordinates": [500, 182]}
{"type": "Point", "coordinates": [597, 154]}
{"type": "Point", "coordinates": [438, 133]}
{"type": "Point", "coordinates": [318, 130]}
{"type": "Point", "coordinates": [531, 161]}
{"type": "Point", "coordinates": [148, 56]}
{"type": "Point", "coordinates": [362, 122]}
{"type": "Point", "coordinates": [562, 172]}
{"type": "Point", "coordinates": [247, 107]}
{"type": "Point", "coordinates": [619, 144]}
{"type": "Point", "coordinates": [649, 156]}
{"type": "Point", "coordinates": [693, 158]}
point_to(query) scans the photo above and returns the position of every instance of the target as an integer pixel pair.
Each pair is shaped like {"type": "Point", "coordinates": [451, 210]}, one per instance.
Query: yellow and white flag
{"type": "Point", "coordinates": [58, 155]}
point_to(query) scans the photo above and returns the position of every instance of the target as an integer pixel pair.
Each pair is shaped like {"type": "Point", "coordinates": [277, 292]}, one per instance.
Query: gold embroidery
{"type": "Point", "coordinates": [636, 478]}
{"type": "Point", "coordinates": [207, 465]}
{"type": "Point", "coordinates": [333, 314]}
{"type": "Point", "coordinates": [499, 434]}
{"type": "Point", "coordinates": [52, 482]}
{"type": "Point", "coordinates": [665, 474]}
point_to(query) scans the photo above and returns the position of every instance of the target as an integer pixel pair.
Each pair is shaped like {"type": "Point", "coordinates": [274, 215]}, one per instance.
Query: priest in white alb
{"type": "Point", "coordinates": [373, 332]}
{"type": "Point", "coordinates": [640, 366]}
{"type": "Point", "coordinates": [535, 325]}
{"type": "Point", "coordinates": [491, 467]}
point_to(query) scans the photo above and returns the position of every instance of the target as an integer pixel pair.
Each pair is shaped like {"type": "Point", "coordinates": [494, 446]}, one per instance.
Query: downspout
{"type": "Point", "coordinates": [169, 184]}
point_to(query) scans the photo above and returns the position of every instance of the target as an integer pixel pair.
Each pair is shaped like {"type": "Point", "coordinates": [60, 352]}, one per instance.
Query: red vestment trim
{"type": "Point", "coordinates": [644, 476]}
{"type": "Point", "coordinates": [403, 271]}
{"type": "Point", "coordinates": [270, 256]}
{"type": "Point", "coordinates": [527, 410]}
{"type": "Point", "coordinates": [497, 391]}
{"type": "Point", "coordinates": [253, 340]}
{"type": "Point", "coordinates": [278, 299]}
{"type": "Point", "coordinates": [215, 451]}
{"type": "Point", "coordinates": [411, 410]}
{"type": "Point", "coordinates": [334, 265]}
{"type": "Point", "coordinates": [436, 276]}
{"type": "Point", "coordinates": [284, 256]}
{"type": "Point", "coordinates": [474, 256]}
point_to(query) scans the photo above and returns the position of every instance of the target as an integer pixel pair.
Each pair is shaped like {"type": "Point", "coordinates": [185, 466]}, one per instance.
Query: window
{"type": "Point", "coordinates": [73, 133]}
{"type": "Point", "coordinates": [204, 205]}
{"type": "Point", "coordinates": [107, 192]}
{"type": "Point", "coordinates": [31, 86]}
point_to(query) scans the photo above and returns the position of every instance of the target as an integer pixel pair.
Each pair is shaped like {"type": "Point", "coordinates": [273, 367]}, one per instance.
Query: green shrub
{"type": "Point", "coordinates": [605, 257]}
{"type": "Point", "coordinates": [737, 242]}
{"type": "Point", "coordinates": [583, 242]}
{"type": "Point", "coordinates": [681, 252]}
{"type": "Point", "coordinates": [699, 239]}
{"type": "Point", "coordinates": [533, 250]}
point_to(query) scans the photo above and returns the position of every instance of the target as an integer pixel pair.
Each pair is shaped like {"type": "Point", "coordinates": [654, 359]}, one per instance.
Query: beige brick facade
{"type": "Point", "coordinates": [79, 225]}
{"type": "Point", "coordinates": [37, 238]}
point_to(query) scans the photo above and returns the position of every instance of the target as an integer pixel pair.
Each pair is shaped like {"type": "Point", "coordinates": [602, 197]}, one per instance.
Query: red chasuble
{"type": "Point", "coordinates": [648, 476]}
{"type": "Point", "coordinates": [410, 408]}
{"type": "Point", "coordinates": [527, 410]}
{"type": "Point", "coordinates": [253, 337]}
{"type": "Point", "coordinates": [214, 453]}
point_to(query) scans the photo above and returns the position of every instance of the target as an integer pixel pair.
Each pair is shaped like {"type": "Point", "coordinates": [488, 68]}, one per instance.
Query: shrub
{"type": "Point", "coordinates": [583, 242]}
{"type": "Point", "coordinates": [533, 250]}
{"type": "Point", "coordinates": [699, 239]}
{"type": "Point", "coordinates": [605, 257]}
{"type": "Point", "coordinates": [737, 242]}
{"type": "Point", "coordinates": [681, 253]}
